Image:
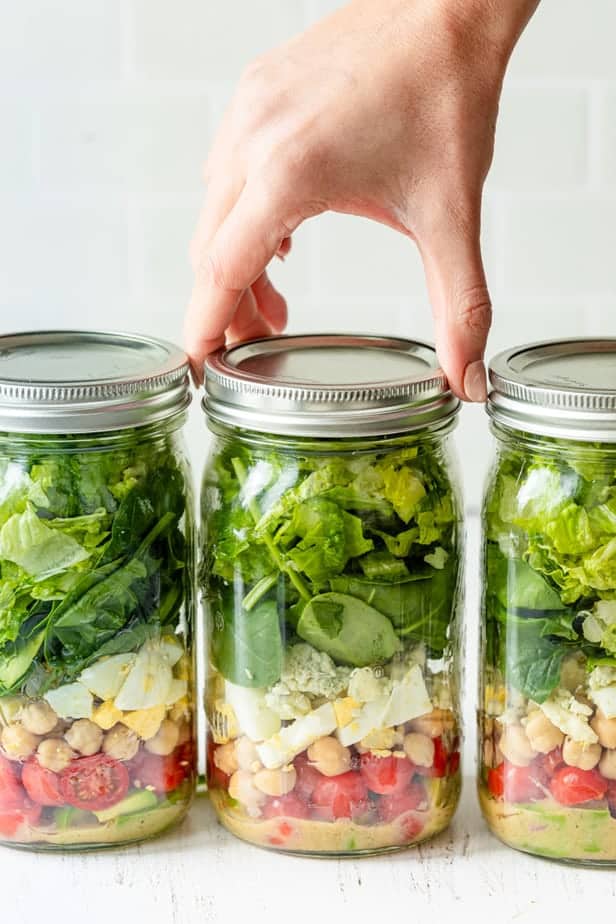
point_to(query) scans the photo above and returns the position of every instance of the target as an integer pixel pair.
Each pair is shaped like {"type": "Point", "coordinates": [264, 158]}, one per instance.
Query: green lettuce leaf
{"type": "Point", "coordinates": [39, 550]}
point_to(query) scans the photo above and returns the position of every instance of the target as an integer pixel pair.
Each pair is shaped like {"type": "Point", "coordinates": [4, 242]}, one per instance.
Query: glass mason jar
{"type": "Point", "coordinates": [96, 599]}
{"type": "Point", "coordinates": [547, 718]}
{"type": "Point", "coordinates": [331, 575]}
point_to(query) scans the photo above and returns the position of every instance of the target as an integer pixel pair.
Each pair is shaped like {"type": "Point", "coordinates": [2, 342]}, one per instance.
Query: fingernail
{"type": "Point", "coordinates": [475, 387]}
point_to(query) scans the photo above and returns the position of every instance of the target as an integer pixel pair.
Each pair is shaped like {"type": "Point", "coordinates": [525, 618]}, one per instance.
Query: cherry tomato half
{"type": "Point", "coordinates": [517, 784]}
{"type": "Point", "coordinates": [11, 792]}
{"type": "Point", "coordinates": [94, 783]}
{"type": "Point", "coordinates": [289, 806]}
{"type": "Point", "coordinates": [551, 761]}
{"type": "Point", "coordinates": [571, 786]}
{"type": "Point", "coordinates": [413, 798]}
{"type": "Point", "coordinates": [342, 796]}
{"type": "Point", "coordinates": [308, 778]}
{"type": "Point", "coordinates": [386, 775]}
{"type": "Point", "coordinates": [11, 820]}
{"type": "Point", "coordinates": [164, 774]}
{"type": "Point", "coordinates": [43, 786]}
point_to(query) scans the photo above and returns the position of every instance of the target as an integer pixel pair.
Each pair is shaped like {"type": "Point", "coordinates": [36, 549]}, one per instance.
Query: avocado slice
{"type": "Point", "coordinates": [141, 800]}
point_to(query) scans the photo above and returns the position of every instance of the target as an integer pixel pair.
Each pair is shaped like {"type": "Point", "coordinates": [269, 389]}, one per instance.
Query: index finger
{"type": "Point", "coordinates": [242, 247]}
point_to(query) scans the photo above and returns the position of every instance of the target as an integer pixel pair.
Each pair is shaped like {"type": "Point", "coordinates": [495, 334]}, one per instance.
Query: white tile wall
{"type": "Point", "coordinates": [106, 112]}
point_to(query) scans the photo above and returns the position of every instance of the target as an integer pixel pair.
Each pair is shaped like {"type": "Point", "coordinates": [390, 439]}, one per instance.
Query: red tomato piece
{"type": "Point", "coordinates": [572, 786]}
{"type": "Point", "coordinates": [441, 762]}
{"type": "Point", "coordinates": [342, 796]}
{"type": "Point", "coordinates": [43, 786]}
{"type": "Point", "coordinates": [551, 761]}
{"type": "Point", "coordinates": [93, 783]}
{"type": "Point", "coordinates": [289, 806]}
{"type": "Point", "coordinates": [412, 826]}
{"type": "Point", "coordinates": [412, 799]}
{"type": "Point", "coordinates": [12, 794]}
{"type": "Point", "coordinates": [454, 763]}
{"type": "Point", "coordinates": [11, 820]}
{"type": "Point", "coordinates": [523, 784]}
{"type": "Point", "coordinates": [164, 774]}
{"type": "Point", "coordinates": [386, 775]}
{"type": "Point", "coordinates": [517, 784]}
{"type": "Point", "coordinates": [496, 783]}
{"type": "Point", "coordinates": [308, 778]}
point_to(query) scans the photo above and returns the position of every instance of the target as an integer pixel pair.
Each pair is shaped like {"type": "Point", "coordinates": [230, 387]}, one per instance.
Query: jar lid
{"type": "Point", "coordinates": [75, 381]}
{"type": "Point", "coordinates": [328, 385]}
{"type": "Point", "coordinates": [560, 388]}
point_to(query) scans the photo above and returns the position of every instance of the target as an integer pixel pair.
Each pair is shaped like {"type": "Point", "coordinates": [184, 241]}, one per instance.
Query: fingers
{"type": "Point", "coordinates": [235, 259]}
{"type": "Point", "coordinates": [248, 322]}
{"type": "Point", "coordinates": [461, 305]}
{"type": "Point", "coordinates": [272, 305]}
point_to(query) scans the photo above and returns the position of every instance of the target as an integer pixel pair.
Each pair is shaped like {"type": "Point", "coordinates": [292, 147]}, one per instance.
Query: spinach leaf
{"type": "Point", "coordinates": [348, 630]}
{"type": "Point", "coordinates": [420, 608]}
{"type": "Point", "coordinates": [246, 647]}
{"type": "Point", "coordinates": [92, 558]}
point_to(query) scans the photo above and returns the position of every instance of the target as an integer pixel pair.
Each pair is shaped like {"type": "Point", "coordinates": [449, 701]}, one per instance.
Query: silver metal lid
{"type": "Point", "coordinates": [560, 388]}
{"type": "Point", "coordinates": [328, 385]}
{"type": "Point", "coordinates": [75, 381]}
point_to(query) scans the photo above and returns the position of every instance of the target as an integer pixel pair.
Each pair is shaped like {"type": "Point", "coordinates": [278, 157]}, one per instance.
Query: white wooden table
{"type": "Point", "coordinates": [199, 873]}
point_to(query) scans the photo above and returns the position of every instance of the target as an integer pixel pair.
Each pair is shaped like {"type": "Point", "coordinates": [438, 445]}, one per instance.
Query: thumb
{"type": "Point", "coordinates": [460, 304]}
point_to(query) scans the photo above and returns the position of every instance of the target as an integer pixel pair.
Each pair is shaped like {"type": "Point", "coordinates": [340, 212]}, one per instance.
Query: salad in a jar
{"type": "Point", "coordinates": [548, 716]}
{"type": "Point", "coordinates": [330, 578]}
{"type": "Point", "coordinates": [96, 703]}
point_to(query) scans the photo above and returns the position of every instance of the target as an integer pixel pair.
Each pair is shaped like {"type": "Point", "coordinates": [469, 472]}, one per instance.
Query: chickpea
{"type": "Point", "coordinates": [607, 765]}
{"type": "Point", "coordinates": [17, 742]}
{"type": "Point", "coordinates": [84, 736]}
{"type": "Point", "coordinates": [165, 740]}
{"type": "Point", "coordinates": [419, 749]}
{"type": "Point", "coordinates": [605, 729]}
{"type": "Point", "coordinates": [225, 758]}
{"type": "Point", "coordinates": [38, 718]}
{"type": "Point", "coordinates": [121, 743]}
{"type": "Point", "coordinates": [543, 735]}
{"type": "Point", "coordinates": [276, 782]}
{"type": "Point", "coordinates": [246, 754]}
{"type": "Point", "coordinates": [242, 788]}
{"type": "Point", "coordinates": [582, 755]}
{"type": "Point", "coordinates": [54, 754]}
{"type": "Point", "coordinates": [329, 757]}
{"type": "Point", "coordinates": [515, 746]}
{"type": "Point", "coordinates": [434, 723]}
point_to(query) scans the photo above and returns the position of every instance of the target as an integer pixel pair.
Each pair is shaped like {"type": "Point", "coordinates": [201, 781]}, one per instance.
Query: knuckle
{"type": "Point", "coordinates": [474, 308]}
{"type": "Point", "coordinates": [209, 269]}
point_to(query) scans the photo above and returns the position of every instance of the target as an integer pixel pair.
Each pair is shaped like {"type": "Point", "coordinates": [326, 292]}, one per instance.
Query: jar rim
{"type": "Point", "coordinates": [88, 381]}
{"type": "Point", "coordinates": [328, 385]}
{"type": "Point", "coordinates": [559, 388]}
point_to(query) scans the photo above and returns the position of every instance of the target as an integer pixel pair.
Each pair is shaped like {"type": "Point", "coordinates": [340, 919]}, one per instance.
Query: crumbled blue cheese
{"type": "Point", "coordinates": [602, 689]}
{"type": "Point", "coordinates": [570, 716]}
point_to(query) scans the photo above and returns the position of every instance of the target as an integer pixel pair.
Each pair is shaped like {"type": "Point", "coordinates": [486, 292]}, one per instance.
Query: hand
{"type": "Point", "coordinates": [387, 109]}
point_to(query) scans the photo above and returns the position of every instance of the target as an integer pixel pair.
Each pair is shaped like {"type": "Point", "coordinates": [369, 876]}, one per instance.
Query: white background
{"type": "Point", "coordinates": [107, 108]}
